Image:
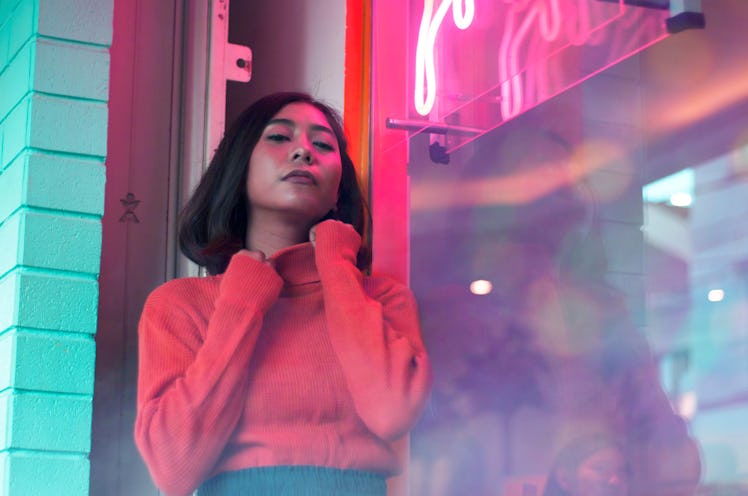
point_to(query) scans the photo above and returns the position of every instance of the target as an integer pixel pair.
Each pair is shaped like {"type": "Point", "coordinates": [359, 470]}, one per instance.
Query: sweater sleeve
{"type": "Point", "coordinates": [192, 380]}
{"type": "Point", "coordinates": [375, 333]}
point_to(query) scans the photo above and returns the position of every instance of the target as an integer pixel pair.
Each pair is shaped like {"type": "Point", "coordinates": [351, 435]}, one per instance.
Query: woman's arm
{"type": "Point", "coordinates": [375, 333]}
{"type": "Point", "coordinates": [191, 390]}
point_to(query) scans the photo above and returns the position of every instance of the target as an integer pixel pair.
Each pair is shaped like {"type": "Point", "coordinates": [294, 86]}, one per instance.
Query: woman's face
{"type": "Point", "coordinates": [601, 474]}
{"type": "Point", "coordinates": [295, 168]}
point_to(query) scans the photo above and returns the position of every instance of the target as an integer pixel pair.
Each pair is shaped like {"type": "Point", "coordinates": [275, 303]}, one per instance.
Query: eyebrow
{"type": "Point", "coordinates": [290, 123]}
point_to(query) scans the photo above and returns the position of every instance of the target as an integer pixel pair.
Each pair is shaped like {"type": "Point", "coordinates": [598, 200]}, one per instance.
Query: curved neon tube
{"type": "Point", "coordinates": [463, 12]}
{"type": "Point", "coordinates": [547, 15]}
{"type": "Point", "coordinates": [520, 19]}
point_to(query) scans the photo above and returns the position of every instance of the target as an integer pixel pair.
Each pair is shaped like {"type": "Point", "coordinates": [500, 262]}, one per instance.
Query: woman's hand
{"type": "Point", "coordinates": [258, 255]}
{"type": "Point", "coordinates": [338, 224]}
{"type": "Point", "coordinates": [313, 235]}
{"type": "Point", "coordinates": [333, 241]}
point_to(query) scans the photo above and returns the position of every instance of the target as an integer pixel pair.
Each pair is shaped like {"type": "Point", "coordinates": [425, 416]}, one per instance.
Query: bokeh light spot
{"type": "Point", "coordinates": [716, 295]}
{"type": "Point", "coordinates": [681, 199]}
{"type": "Point", "coordinates": [481, 287]}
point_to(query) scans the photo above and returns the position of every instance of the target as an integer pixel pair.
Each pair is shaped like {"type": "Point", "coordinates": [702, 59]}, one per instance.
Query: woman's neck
{"type": "Point", "coordinates": [271, 238]}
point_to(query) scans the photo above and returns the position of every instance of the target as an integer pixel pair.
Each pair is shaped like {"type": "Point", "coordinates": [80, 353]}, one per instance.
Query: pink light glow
{"type": "Point", "coordinates": [533, 30]}
{"type": "Point", "coordinates": [517, 54]}
{"type": "Point", "coordinates": [564, 88]}
{"type": "Point", "coordinates": [547, 14]}
{"type": "Point", "coordinates": [425, 90]}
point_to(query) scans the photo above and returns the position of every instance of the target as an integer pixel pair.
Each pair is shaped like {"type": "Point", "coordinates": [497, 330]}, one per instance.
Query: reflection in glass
{"type": "Point", "coordinates": [565, 291]}
{"type": "Point", "coordinates": [551, 354]}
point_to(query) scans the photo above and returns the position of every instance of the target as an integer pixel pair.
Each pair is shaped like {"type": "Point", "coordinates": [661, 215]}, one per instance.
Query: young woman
{"type": "Point", "coordinates": [287, 371]}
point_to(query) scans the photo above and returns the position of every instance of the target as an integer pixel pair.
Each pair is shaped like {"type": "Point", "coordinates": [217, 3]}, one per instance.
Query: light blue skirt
{"type": "Point", "coordinates": [294, 480]}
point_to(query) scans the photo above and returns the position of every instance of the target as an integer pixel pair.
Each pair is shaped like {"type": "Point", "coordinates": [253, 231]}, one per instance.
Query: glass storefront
{"type": "Point", "coordinates": [577, 185]}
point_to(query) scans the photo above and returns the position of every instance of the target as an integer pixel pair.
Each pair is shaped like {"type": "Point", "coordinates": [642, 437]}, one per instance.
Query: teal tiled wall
{"type": "Point", "coordinates": [54, 72]}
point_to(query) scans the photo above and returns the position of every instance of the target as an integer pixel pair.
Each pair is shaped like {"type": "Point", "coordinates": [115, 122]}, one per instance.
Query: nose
{"type": "Point", "coordinates": [302, 154]}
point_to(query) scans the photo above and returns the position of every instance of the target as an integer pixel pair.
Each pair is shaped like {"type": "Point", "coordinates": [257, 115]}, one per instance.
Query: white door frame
{"type": "Point", "coordinates": [206, 62]}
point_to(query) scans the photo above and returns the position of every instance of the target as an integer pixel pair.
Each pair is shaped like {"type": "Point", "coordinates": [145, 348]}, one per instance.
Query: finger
{"type": "Point", "coordinates": [256, 254]}
{"type": "Point", "coordinates": [313, 234]}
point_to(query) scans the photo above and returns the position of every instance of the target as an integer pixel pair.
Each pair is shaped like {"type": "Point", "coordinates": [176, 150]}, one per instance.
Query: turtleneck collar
{"type": "Point", "coordinates": [296, 265]}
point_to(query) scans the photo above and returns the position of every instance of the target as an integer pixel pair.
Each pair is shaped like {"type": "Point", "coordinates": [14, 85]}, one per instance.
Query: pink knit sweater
{"type": "Point", "coordinates": [308, 364]}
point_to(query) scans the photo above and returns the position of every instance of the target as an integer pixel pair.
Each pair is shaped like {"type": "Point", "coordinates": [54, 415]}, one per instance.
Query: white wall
{"type": "Point", "coordinates": [297, 45]}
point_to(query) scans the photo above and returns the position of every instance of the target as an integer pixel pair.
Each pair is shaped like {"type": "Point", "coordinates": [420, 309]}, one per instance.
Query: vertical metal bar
{"type": "Point", "coordinates": [189, 144]}
{"type": "Point", "coordinates": [227, 62]}
{"type": "Point", "coordinates": [205, 61]}
{"type": "Point", "coordinates": [216, 109]}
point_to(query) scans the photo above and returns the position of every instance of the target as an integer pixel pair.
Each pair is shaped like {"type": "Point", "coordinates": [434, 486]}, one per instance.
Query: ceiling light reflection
{"type": "Point", "coordinates": [716, 295]}
{"type": "Point", "coordinates": [481, 287]}
{"type": "Point", "coordinates": [687, 405]}
{"type": "Point", "coordinates": [681, 199]}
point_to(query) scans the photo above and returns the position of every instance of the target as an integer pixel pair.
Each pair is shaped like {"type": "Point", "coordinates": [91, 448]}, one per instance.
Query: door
{"type": "Point", "coordinates": [166, 116]}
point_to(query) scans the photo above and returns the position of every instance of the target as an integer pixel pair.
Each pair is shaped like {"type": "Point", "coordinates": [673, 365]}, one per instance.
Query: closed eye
{"type": "Point", "coordinates": [322, 145]}
{"type": "Point", "coordinates": [278, 137]}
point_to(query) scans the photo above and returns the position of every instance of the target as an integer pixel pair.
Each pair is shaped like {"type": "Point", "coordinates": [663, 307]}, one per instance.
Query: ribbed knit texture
{"type": "Point", "coordinates": [294, 481]}
{"type": "Point", "coordinates": [308, 364]}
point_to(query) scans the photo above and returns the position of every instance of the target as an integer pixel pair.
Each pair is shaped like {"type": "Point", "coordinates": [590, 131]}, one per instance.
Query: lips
{"type": "Point", "coordinates": [300, 176]}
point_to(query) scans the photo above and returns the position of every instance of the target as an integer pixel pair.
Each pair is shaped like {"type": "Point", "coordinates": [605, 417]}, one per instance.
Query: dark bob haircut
{"type": "Point", "coordinates": [213, 224]}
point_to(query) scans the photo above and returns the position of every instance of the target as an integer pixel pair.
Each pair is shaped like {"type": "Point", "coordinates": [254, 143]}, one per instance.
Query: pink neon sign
{"type": "Point", "coordinates": [549, 19]}
{"type": "Point", "coordinates": [425, 91]}
{"type": "Point", "coordinates": [529, 34]}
